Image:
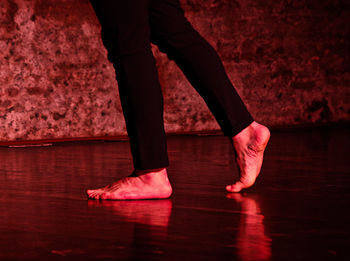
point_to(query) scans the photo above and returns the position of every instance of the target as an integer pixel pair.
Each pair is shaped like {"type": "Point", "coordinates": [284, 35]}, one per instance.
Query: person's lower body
{"type": "Point", "coordinates": [128, 29]}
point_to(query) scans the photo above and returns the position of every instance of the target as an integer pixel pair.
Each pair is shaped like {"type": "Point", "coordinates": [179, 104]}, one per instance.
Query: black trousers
{"type": "Point", "coordinates": [128, 28]}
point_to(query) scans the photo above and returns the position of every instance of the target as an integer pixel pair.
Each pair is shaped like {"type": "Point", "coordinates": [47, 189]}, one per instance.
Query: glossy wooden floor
{"type": "Point", "coordinates": [298, 210]}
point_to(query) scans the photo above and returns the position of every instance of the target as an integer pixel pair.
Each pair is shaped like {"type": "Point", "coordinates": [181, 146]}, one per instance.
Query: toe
{"type": "Point", "coordinates": [236, 187]}
{"type": "Point", "coordinates": [93, 193]}
{"type": "Point", "coordinates": [89, 193]}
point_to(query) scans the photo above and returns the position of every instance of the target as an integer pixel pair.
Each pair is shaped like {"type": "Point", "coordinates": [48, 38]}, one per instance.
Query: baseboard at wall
{"type": "Point", "coordinates": [49, 142]}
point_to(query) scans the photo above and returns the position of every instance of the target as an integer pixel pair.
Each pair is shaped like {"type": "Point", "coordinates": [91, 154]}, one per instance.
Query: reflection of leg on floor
{"type": "Point", "coordinates": [147, 212]}
{"type": "Point", "coordinates": [252, 242]}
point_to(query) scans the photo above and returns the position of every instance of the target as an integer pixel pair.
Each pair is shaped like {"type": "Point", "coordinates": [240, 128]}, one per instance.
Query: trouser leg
{"type": "Point", "coordinates": [200, 63]}
{"type": "Point", "coordinates": [125, 34]}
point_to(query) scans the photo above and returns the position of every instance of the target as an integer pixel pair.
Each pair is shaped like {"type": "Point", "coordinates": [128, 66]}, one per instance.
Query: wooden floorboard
{"type": "Point", "coordinates": [298, 210]}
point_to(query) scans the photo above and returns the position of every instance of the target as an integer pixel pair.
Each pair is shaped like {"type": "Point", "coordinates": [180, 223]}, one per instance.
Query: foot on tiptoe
{"type": "Point", "coordinates": [249, 146]}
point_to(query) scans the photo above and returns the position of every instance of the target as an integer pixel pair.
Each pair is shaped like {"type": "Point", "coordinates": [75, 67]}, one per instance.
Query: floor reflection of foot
{"type": "Point", "coordinates": [252, 242]}
{"type": "Point", "coordinates": [148, 212]}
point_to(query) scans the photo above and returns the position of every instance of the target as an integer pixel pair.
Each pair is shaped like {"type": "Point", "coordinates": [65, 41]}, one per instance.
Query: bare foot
{"type": "Point", "coordinates": [249, 146]}
{"type": "Point", "coordinates": [151, 184]}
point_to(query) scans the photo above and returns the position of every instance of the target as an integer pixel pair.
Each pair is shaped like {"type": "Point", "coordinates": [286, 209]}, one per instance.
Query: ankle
{"type": "Point", "coordinates": [139, 172]}
{"type": "Point", "coordinates": [153, 176]}
{"type": "Point", "coordinates": [253, 131]}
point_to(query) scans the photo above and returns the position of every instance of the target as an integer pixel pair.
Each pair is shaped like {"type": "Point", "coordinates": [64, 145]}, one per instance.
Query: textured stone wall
{"type": "Point", "coordinates": [289, 60]}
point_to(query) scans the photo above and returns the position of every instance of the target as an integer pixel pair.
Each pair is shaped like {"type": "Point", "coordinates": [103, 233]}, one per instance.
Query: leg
{"type": "Point", "coordinates": [125, 34]}
{"type": "Point", "coordinates": [175, 36]}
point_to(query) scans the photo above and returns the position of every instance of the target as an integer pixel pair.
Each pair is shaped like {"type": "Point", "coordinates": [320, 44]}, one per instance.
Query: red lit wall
{"type": "Point", "coordinates": [289, 60]}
